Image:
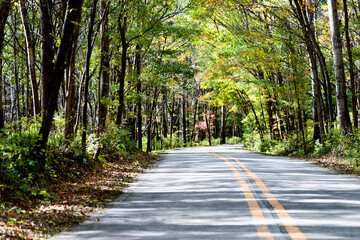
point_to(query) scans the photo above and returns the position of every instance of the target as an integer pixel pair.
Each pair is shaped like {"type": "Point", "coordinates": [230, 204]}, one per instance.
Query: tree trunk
{"type": "Point", "coordinates": [70, 106]}
{"type": "Point", "coordinates": [316, 91]}
{"type": "Point", "coordinates": [47, 52]}
{"type": "Point", "coordinates": [104, 66]}
{"type": "Point", "coordinates": [57, 72]}
{"type": "Point", "coordinates": [4, 13]}
{"type": "Point", "coordinates": [139, 98]}
{"type": "Point", "coordinates": [184, 119]}
{"type": "Point", "coordinates": [122, 74]}
{"type": "Point", "coordinates": [30, 48]}
{"type": "Point", "coordinates": [223, 125]}
{"type": "Point", "coordinates": [341, 102]}
{"type": "Point", "coordinates": [208, 121]}
{"type": "Point", "coordinates": [87, 73]}
{"type": "Point", "coordinates": [351, 66]}
{"type": "Point", "coordinates": [165, 116]}
{"type": "Point", "coordinates": [150, 119]}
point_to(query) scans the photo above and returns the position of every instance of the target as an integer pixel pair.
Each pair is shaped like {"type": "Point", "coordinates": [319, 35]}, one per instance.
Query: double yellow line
{"type": "Point", "coordinates": [257, 214]}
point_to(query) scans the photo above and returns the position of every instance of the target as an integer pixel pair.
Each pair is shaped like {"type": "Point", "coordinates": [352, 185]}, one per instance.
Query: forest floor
{"type": "Point", "coordinates": [71, 202]}
{"type": "Point", "coordinates": [335, 163]}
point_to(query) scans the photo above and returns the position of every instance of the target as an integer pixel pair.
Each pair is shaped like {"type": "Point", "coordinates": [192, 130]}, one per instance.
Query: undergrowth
{"type": "Point", "coordinates": [346, 148]}
{"type": "Point", "coordinates": [21, 182]}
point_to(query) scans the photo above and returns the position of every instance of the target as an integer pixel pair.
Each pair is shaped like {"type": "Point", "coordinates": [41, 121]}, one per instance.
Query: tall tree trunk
{"type": "Point", "coordinates": [122, 73]}
{"type": "Point", "coordinates": [316, 91]}
{"type": "Point", "coordinates": [139, 98]}
{"type": "Point", "coordinates": [87, 73]}
{"type": "Point", "coordinates": [351, 66]}
{"type": "Point", "coordinates": [104, 66]}
{"type": "Point", "coordinates": [70, 106]}
{"type": "Point", "coordinates": [4, 13]}
{"type": "Point", "coordinates": [341, 102]}
{"type": "Point", "coordinates": [67, 38]}
{"type": "Point", "coordinates": [30, 48]}
{"type": "Point", "coordinates": [47, 52]}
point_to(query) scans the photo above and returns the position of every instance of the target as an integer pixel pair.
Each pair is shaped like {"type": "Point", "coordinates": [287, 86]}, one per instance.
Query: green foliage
{"type": "Point", "coordinates": [233, 140]}
{"type": "Point", "coordinates": [20, 176]}
{"type": "Point", "coordinates": [115, 143]}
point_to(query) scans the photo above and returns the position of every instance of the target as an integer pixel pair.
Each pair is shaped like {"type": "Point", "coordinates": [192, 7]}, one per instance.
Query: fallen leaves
{"type": "Point", "coordinates": [72, 202]}
{"type": "Point", "coordinates": [335, 163]}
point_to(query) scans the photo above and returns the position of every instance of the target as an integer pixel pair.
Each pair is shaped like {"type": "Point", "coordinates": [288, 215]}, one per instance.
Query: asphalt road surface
{"type": "Point", "coordinates": [225, 193]}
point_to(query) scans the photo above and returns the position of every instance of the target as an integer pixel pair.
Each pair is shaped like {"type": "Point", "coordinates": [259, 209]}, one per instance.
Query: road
{"type": "Point", "coordinates": [223, 192]}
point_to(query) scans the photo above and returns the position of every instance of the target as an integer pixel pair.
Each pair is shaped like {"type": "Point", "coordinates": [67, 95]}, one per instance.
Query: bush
{"type": "Point", "coordinates": [233, 140]}
{"type": "Point", "coordinates": [21, 178]}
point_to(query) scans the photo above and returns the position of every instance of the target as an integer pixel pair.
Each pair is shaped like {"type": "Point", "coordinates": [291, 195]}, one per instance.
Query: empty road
{"type": "Point", "coordinates": [223, 192]}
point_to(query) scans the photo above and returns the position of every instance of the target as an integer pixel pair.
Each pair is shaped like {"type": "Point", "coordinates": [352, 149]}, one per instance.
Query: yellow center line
{"type": "Point", "coordinates": [256, 212]}
{"type": "Point", "coordinates": [293, 231]}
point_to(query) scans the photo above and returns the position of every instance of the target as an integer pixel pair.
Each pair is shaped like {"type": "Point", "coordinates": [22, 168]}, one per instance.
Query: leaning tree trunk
{"type": "Point", "coordinates": [67, 37]}
{"type": "Point", "coordinates": [341, 101]}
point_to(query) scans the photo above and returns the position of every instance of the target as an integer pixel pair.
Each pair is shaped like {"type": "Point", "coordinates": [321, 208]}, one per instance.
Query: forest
{"type": "Point", "coordinates": [83, 82]}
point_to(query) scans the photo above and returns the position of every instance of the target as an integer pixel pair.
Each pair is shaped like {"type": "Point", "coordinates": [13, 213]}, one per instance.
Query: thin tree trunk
{"type": "Point", "coordinates": [316, 91]}
{"type": "Point", "coordinates": [87, 73]}
{"type": "Point", "coordinates": [351, 66]}
{"type": "Point", "coordinates": [223, 125]}
{"type": "Point", "coordinates": [165, 116]}
{"type": "Point", "coordinates": [207, 121]}
{"type": "Point", "coordinates": [150, 119]}
{"type": "Point", "coordinates": [184, 119]}
{"type": "Point", "coordinates": [104, 66]}
{"type": "Point", "coordinates": [30, 48]}
{"type": "Point", "coordinates": [172, 119]}
{"type": "Point", "coordinates": [70, 106]}
{"type": "Point", "coordinates": [139, 98]}
{"type": "Point", "coordinates": [122, 73]}
{"type": "Point", "coordinates": [195, 119]}
{"type": "Point", "coordinates": [341, 101]}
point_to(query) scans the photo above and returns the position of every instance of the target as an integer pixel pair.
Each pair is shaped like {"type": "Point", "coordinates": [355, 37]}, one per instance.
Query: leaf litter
{"type": "Point", "coordinates": [71, 203]}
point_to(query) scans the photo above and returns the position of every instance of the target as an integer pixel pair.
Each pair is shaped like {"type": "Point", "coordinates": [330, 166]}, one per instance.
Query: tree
{"type": "Point", "coordinates": [341, 99]}
{"type": "Point", "coordinates": [30, 48]}
{"type": "Point", "coordinates": [67, 38]}
{"type": "Point", "coordinates": [104, 70]}
{"type": "Point", "coordinates": [87, 71]}
{"type": "Point", "coordinates": [4, 13]}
